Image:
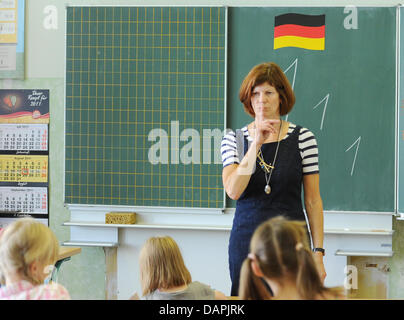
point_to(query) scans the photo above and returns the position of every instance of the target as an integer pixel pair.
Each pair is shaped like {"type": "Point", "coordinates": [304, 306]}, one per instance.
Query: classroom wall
{"type": "Point", "coordinates": [396, 263]}
{"type": "Point", "coordinates": [84, 275]}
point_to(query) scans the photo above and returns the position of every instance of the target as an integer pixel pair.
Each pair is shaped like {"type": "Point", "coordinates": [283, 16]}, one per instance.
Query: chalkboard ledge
{"type": "Point", "coordinates": [350, 230]}
{"type": "Point", "coordinates": [100, 234]}
{"type": "Point", "coordinates": [147, 226]}
{"type": "Point", "coordinates": [93, 217]}
{"type": "Point", "coordinates": [364, 253]}
{"type": "Point", "coordinates": [371, 232]}
{"type": "Point", "coordinates": [365, 232]}
{"type": "Point", "coordinates": [89, 244]}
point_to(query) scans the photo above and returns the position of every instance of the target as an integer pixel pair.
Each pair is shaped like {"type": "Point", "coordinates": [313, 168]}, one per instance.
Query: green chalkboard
{"type": "Point", "coordinates": [140, 76]}
{"type": "Point", "coordinates": [345, 95]}
{"type": "Point", "coordinates": [144, 106]}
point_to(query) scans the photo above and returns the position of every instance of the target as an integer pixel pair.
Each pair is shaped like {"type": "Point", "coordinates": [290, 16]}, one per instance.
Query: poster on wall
{"type": "Point", "coordinates": [24, 106]}
{"type": "Point", "coordinates": [12, 39]}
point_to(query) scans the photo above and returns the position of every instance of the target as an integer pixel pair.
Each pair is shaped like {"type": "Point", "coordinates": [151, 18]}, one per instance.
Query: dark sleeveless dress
{"type": "Point", "coordinates": [255, 206]}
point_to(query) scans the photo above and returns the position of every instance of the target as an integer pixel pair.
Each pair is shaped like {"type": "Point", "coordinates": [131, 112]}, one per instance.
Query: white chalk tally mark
{"type": "Point", "coordinates": [294, 63]}
{"type": "Point", "coordinates": [358, 141]}
{"type": "Point", "coordinates": [325, 109]}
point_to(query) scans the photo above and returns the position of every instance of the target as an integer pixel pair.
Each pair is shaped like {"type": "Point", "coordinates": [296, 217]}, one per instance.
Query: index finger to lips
{"type": "Point", "coordinates": [273, 121]}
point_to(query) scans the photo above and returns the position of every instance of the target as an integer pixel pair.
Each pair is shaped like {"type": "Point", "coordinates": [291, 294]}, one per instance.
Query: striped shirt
{"type": "Point", "coordinates": [307, 147]}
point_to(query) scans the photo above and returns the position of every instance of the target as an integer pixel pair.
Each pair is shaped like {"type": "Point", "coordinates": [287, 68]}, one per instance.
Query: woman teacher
{"type": "Point", "coordinates": [265, 173]}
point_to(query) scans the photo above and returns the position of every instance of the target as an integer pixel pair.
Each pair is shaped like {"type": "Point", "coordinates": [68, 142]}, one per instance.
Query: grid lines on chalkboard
{"type": "Point", "coordinates": [144, 81]}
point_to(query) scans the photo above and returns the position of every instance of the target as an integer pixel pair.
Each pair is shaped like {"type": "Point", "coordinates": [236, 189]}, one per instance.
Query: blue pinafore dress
{"type": "Point", "coordinates": [255, 206]}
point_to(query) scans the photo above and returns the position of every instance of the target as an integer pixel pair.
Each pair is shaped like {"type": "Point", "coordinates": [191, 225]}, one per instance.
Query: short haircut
{"type": "Point", "coordinates": [23, 242]}
{"type": "Point", "coordinates": [161, 265]}
{"type": "Point", "coordinates": [271, 73]}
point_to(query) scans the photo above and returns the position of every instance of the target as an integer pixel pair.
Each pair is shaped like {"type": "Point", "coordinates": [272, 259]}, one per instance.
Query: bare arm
{"type": "Point", "coordinates": [220, 295]}
{"type": "Point", "coordinates": [134, 296]}
{"type": "Point", "coordinates": [314, 210]}
{"type": "Point", "coordinates": [236, 176]}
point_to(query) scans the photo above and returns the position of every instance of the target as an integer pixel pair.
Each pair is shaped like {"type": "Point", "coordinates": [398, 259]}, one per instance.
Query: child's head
{"type": "Point", "coordinates": [27, 248]}
{"type": "Point", "coordinates": [279, 250]}
{"type": "Point", "coordinates": [162, 265]}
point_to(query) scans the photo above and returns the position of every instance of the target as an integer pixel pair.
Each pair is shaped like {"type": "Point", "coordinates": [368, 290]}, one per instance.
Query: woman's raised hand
{"type": "Point", "coordinates": [264, 128]}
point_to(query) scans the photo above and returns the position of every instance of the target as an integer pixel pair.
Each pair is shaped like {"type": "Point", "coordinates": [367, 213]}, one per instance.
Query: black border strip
{"type": "Point", "coordinates": [23, 184]}
{"type": "Point", "coordinates": [17, 214]}
{"type": "Point", "coordinates": [25, 152]}
{"type": "Point", "coordinates": [300, 19]}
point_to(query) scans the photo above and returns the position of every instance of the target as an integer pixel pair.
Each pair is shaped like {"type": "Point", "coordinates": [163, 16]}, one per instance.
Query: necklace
{"type": "Point", "coordinates": [268, 168]}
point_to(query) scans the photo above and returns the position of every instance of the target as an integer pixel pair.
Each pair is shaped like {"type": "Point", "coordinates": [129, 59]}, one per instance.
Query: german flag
{"type": "Point", "coordinates": [299, 30]}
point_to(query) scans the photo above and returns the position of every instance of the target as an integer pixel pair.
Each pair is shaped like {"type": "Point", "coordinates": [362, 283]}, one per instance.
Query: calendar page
{"type": "Point", "coordinates": [24, 137]}
{"type": "Point", "coordinates": [17, 200]}
{"type": "Point", "coordinates": [15, 168]}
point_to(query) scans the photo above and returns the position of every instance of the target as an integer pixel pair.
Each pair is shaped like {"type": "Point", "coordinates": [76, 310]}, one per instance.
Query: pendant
{"type": "Point", "coordinates": [267, 189]}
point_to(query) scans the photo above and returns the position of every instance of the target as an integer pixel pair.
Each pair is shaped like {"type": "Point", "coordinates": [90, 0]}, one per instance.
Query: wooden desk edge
{"type": "Point", "coordinates": [65, 252]}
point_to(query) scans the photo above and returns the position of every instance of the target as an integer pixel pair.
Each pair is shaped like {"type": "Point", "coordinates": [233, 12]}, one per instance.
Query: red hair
{"type": "Point", "coordinates": [271, 73]}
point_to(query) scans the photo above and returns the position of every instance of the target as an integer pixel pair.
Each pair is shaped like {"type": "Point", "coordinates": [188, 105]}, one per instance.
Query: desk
{"type": "Point", "coordinates": [65, 253]}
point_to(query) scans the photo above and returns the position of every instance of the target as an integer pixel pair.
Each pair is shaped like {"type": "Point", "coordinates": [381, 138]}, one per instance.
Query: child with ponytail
{"type": "Point", "coordinates": [280, 255]}
{"type": "Point", "coordinates": [28, 251]}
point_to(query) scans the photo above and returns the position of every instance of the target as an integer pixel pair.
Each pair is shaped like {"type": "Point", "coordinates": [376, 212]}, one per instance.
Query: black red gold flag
{"type": "Point", "coordinates": [299, 30]}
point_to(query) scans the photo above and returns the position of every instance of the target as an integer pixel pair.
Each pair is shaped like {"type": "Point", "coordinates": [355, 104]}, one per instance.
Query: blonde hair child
{"type": "Point", "coordinates": [28, 251]}
{"type": "Point", "coordinates": [280, 255]}
{"type": "Point", "coordinates": [164, 276]}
